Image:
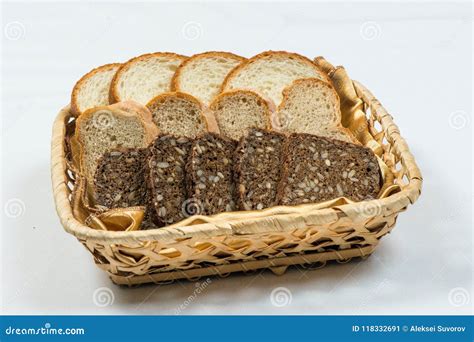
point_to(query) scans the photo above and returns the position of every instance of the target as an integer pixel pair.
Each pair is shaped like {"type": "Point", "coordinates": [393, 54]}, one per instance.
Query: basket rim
{"type": "Point", "coordinates": [408, 194]}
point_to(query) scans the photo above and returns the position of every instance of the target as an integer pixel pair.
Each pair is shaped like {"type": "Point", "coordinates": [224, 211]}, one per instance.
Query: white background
{"type": "Point", "coordinates": [416, 58]}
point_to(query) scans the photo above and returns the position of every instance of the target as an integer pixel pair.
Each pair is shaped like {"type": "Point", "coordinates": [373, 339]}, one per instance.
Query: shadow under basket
{"type": "Point", "coordinates": [295, 237]}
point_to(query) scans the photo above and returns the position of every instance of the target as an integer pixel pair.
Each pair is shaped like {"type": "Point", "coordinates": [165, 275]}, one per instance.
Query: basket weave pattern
{"type": "Point", "coordinates": [308, 237]}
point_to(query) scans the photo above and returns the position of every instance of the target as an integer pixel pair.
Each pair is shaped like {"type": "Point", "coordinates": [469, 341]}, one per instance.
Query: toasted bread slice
{"type": "Point", "coordinates": [144, 77]}
{"type": "Point", "coordinates": [178, 114]}
{"type": "Point", "coordinates": [92, 90]}
{"type": "Point", "coordinates": [311, 106]}
{"type": "Point", "coordinates": [202, 75]}
{"type": "Point", "coordinates": [101, 129]}
{"type": "Point", "coordinates": [270, 72]}
{"type": "Point", "coordinates": [237, 110]}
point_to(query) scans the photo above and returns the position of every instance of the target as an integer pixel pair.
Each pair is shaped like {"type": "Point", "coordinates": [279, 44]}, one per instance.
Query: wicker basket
{"type": "Point", "coordinates": [308, 235]}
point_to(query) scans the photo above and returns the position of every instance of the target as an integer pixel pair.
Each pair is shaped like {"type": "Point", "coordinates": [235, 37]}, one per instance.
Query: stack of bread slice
{"type": "Point", "coordinates": [252, 111]}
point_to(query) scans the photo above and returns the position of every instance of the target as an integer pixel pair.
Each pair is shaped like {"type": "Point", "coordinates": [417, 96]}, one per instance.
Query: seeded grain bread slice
{"type": "Point", "coordinates": [179, 114]}
{"type": "Point", "coordinates": [311, 106]}
{"type": "Point", "coordinates": [258, 169]}
{"type": "Point", "coordinates": [317, 169]}
{"type": "Point", "coordinates": [270, 72]}
{"type": "Point", "coordinates": [202, 75]}
{"type": "Point", "coordinates": [209, 174]}
{"type": "Point", "coordinates": [237, 110]}
{"type": "Point", "coordinates": [166, 181]}
{"type": "Point", "coordinates": [101, 129]}
{"type": "Point", "coordinates": [119, 180]}
{"type": "Point", "coordinates": [144, 77]}
{"type": "Point", "coordinates": [92, 89]}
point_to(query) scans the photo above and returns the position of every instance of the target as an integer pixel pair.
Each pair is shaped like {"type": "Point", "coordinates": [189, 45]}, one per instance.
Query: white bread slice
{"type": "Point", "coordinates": [144, 77]}
{"type": "Point", "coordinates": [270, 72]}
{"type": "Point", "coordinates": [311, 106]}
{"type": "Point", "coordinates": [237, 110]}
{"type": "Point", "coordinates": [339, 133]}
{"type": "Point", "coordinates": [92, 90]}
{"type": "Point", "coordinates": [202, 75]}
{"type": "Point", "coordinates": [179, 114]}
{"type": "Point", "coordinates": [100, 129]}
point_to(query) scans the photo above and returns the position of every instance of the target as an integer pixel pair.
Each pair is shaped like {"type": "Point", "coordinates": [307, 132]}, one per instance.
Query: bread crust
{"type": "Point", "coordinates": [126, 109]}
{"type": "Point", "coordinates": [206, 116]}
{"type": "Point", "coordinates": [77, 87]}
{"type": "Point", "coordinates": [266, 54]}
{"type": "Point", "coordinates": [175, 81]}
{"type": "Point", "coordinates": [113, 94]}
{"type": "Point", "coordinates": [269, 105]}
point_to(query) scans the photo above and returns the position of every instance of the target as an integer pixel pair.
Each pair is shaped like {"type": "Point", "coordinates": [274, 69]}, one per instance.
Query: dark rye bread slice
{"type": "Point", "coordinates": [317, 169]}
{"type": "Point", "coordinates": [209, 174]}
{"type": "Point", "coordinates": [119, 180]}
{"type": "Point", "coordinates": [166, 178]}
{"type": "Point", "coordinates": [258, 169]}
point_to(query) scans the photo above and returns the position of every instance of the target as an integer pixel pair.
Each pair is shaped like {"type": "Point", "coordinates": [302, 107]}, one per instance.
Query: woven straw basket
{"type": "Point", "coordinates": [307, 235]}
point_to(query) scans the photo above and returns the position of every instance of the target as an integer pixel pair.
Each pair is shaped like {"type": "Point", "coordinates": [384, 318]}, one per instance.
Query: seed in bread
{"type": "Point", "coordinates": [270, 72]}
{"type": "Point", "coordinates": [119, 180]}
{"type": "Point", "coordinates": [202, 75]}
{"type": "Point", "coordinates": [166, 181]}
{"type": "Point", "coordinates": [101, 129]}
{"type": "Point", "coordinates": [209, 174]}
{"type": "Point", "coordinates": [92, 89]}
{"type": "Point", "coordinates": [237, 110]}
{"type": "Point", "coordinates": [317, 169]}
{"type": "Point", "coordinates": [258, 169]}
{"type": "Point", "coordinates": [144, 77]}
{"type": "Point", "coordinates": [179, 114]}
